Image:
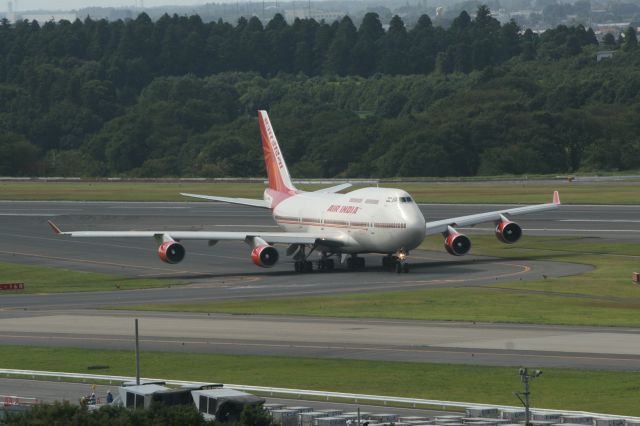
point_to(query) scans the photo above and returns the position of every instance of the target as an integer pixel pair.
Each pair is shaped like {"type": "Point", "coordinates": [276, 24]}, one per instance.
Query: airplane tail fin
{"type": "Point", "coordinates": [277, 172]}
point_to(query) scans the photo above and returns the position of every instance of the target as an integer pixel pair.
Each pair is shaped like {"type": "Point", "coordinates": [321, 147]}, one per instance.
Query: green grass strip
{"type": "Point", "coordinates": [606, 296]}
{"type": "Point", "coordinates": [524, 192]}
{"type": "Point", "coordinates": [569, 389]}
{"type": "Point", "coordinates": [40, 279]}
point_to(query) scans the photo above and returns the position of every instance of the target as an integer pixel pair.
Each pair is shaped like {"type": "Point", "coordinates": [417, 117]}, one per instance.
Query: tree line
{"type": "Point", "coordinates": [64, 413]}
{"type": "Point", "coordinates": [178, 97]}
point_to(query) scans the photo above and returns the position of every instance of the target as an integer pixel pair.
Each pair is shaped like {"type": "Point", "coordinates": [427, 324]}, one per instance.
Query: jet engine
{"type": "Point", "coordinates": [456, 243]}
{"type": "Point", "coordinates": [265, 255]}
{"type": "Point", "coordinates": [508, 232]}
{"type": "Point", "coordinates": [171, 252]}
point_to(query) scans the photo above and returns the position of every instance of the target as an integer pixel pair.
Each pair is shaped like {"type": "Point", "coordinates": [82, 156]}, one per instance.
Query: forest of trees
{"type": "Point", "coordinates": [178, 97]}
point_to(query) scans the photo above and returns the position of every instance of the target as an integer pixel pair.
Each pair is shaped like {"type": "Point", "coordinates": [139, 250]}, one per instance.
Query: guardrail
{"type": "Point", "coordinates": [299, 393]}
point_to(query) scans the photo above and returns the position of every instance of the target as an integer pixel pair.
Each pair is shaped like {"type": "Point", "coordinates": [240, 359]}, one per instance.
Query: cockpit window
{"type": "Point", "coordinates": [405, 199]}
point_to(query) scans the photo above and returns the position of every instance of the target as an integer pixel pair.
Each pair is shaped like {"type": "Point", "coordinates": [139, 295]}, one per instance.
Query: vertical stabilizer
{"type": "Point", "coordinates": [277, 172]}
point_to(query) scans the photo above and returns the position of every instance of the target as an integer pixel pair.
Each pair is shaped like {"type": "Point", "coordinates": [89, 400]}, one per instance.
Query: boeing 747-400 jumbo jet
{"type": "Point", "coordinates": [368, 220]}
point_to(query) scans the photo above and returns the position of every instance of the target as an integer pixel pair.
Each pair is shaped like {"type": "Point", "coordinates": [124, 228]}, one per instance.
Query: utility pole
{"type": "Point", "coordinates": [525, 377]}
{"type": "Point", "coordinates": [137, 356]}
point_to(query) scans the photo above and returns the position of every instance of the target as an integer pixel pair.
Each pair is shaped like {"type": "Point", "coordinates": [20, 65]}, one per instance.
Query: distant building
{"type": "Point", "coordinates": [615, 28]}
{"type": "Point", "coordinates": [305, 13]}
{"type": "Point", "coordinates": [604, 54]}
{"type": "Point", "coordinates": [49, 17]}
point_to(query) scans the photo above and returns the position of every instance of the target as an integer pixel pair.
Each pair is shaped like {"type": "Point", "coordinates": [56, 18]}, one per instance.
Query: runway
{"type": "Point", "coordinates": [221, 272]}
{"type": "Point", "coordinates": [363, 339]}
{"type": "Point", "coordinates": [225, 272]}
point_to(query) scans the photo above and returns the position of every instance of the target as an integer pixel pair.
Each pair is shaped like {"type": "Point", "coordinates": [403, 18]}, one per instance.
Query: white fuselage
{"type": "Point", "coordinates": [368, 220]}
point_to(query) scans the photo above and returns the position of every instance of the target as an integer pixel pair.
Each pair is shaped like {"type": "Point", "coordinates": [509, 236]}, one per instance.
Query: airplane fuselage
{"type": "Point", "coordinates": [368, 220]}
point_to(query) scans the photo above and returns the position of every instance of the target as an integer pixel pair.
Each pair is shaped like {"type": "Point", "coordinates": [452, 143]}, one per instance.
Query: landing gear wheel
{"type": "Point", "coordinates": [405, 268]}
{"type": "Point", "coordinates": [398, 267]}
{"type": "Point", "coordinates": [326, 265]}
{"type": "Point", "coordinates": [389, 262]}
{"type": "Point", "coordinates": [308, 266]}
{"type": "Point", "coordinates": [355, 262]}
{"type": "Point", "coordinates": [303, 266]}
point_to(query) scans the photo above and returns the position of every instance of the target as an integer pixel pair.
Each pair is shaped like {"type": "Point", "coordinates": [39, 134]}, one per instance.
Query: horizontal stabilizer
{"type": "Point", "coordinates": [242, 201]}
{"type": "Point", "coordinates": [334, 189]}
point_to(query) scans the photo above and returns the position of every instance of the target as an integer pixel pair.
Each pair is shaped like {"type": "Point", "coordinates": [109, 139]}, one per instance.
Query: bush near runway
{"type": "Point", "coordinates": [516, 192]}
{"type": "Point", "coordinates": [606, 296]}
{"type": "Point", "coordinates": [567, 389]}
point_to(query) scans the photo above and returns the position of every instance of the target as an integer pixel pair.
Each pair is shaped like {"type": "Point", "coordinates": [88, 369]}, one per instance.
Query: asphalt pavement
{"type": "Point", "coordinates": [225, 272]}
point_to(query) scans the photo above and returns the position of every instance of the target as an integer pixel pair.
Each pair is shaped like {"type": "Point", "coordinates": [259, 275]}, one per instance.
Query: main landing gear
{"type": "Point", "coordinates": [396, 262]}
{"type": "Point", "coordinates": [354, 262]}
{"type": "Point", "coordinates": [302, 264]}
{"type": "Point", "coordinates": [325, 263]}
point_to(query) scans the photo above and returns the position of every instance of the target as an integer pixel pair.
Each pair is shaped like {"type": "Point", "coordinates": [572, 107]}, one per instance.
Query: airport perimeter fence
{"type": "Point", "coordinates": [301, 393]}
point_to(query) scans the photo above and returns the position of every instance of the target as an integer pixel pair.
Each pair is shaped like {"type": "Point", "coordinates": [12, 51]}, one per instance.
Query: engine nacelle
{"type": "Point", "coordinates": [265, 255]}
{"type": "Point", "coordinates": [457, 244]}
{"type": "Point", "coordinates": [171, 252]}
{"type": "Point", "coordinates": [508, 232]}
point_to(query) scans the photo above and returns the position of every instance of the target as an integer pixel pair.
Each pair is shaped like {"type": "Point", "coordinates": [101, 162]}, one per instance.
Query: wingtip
{"type": "Point", "coordinates": [556, 197]}
{"type": "Point", "coordinates": [55, 228]}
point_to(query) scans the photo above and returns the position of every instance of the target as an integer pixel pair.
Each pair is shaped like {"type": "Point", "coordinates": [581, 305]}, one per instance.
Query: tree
{"type": "Point", "coordinates": [609, 40]}
{"type": "Point", "coordinates": [630, 40]}
{"type": "Point", "coordinates": [460, 24]}
{"type": "Point", "coordinates": [393, 49]}
{"type": "Point", "coordinates": [339, 54]}
{"type": "Point", "coordinates": [364, 51]}
{"type": "Point", "coordinates": [422, 46]}
{"type": "Point", "coordinates": [18, 157]}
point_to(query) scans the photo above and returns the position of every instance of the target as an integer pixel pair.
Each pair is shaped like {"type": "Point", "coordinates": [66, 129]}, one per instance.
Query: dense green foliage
{"type": "Point", "coordinates": [68, 414]}
{"type": "Point", "coordinates": [178, 97]}
{"type": "Point", "coordinates": [178, 415]}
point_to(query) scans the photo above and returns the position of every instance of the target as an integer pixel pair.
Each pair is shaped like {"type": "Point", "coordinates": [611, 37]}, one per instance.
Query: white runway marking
{"type": "Point", "coordinates": [30, 214]}
{"type": "Point", "coordinates": [150, 207]}
{"type": "Point", "coordinates": [600, 220]}
{"type": "Point", "coordinates": [247, 226]}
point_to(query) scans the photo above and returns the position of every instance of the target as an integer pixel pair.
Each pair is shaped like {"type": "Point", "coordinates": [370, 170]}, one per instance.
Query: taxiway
{"type": "Point", "coordinates": [225, 272]}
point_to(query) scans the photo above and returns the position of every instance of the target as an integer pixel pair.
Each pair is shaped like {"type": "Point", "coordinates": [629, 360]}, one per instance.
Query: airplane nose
{"type": "Point", "coordinates": [416, 227]}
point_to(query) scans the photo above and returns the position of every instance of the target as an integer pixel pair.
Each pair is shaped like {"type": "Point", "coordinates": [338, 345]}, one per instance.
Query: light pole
{"type": "Point", "coordinates": [525, 377]}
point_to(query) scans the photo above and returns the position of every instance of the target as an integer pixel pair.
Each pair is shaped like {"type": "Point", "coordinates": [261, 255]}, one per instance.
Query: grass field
{"type": "Point", "coordinates": [606, 296]}
{"type": "Point", "coordinates": [599, 391]}
{"type": "Point", "coordinates": [427, 192]}
{"type": "Point", "coordinates": [40, 279]}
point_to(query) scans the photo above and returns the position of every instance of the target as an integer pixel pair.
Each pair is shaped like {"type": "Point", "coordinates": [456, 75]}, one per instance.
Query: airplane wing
{"type": "Point", "coordinates": [440, 226]}
{"type": "Point", "coordinates": [212, 236]}
{"type": "Point", "coordinates": [334, 189]}
{"type": "Point", "coordinates": [242, 201]}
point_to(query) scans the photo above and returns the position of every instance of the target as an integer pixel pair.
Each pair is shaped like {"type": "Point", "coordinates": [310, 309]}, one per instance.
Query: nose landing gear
{"type": "Point", "coordinates": [396, 262]}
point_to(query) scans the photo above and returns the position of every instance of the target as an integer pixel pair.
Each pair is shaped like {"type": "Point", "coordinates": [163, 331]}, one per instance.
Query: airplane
{"type": "Point", "coordinates": [338, 225]}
